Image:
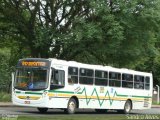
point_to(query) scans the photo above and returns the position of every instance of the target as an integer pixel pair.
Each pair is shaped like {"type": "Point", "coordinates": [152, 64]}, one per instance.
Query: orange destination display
{"type": "Point", "coordinates": [33, 63]}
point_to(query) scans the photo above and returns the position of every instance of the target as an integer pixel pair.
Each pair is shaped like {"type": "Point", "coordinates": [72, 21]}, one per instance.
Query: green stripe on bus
{"type": "Point", "coordinates": [68, 92]}
{"type": "Point", "coordinates": [33, 93]}
{"type": "Point", "coordinates": [106, 94]}
{"type": "Point", "coordinates": [18, 92]}
{"type": "Point", "coordinates": [141, 96]}
{"type": "Point", "coordinates": [94, 90]}
{"type": "Point", "coordinates": [101, 101]}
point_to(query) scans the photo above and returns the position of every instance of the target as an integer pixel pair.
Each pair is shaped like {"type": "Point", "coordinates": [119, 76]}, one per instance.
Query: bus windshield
{"type": "Point", "coordinates": [31, 79]}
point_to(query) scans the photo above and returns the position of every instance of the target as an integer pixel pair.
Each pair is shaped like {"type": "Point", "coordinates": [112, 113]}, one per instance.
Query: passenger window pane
{"type": "Point", "coordinates": [139, 82]}
{"type": "Point", "coordinates": [127, 77]}
{"type": "Point", "coordinates": [86, 76]}
{"type": "Point", "coordinates": [101, 78]}
{"type": "Point", "coordinates": [127, 84]}
{"type": "Point", "coordinates": [147, 80]}
{"type": "Point", "coordinates": [115, 83]}
{"type": "Point", "coordinates": [114, 79]}
{"type": "Point", "coordinates": [101, 74]}
{"type": "Point", "coordinates": [127, 80]}
{"type": "Point", "coordinates": [138, 78]}
{"type": "Point", "coordinates": [115, 75]}
{"type": "Point", "coordinates": [86, 80]}
{"type": "Point", "coordinates": [73, 71]}
{"type": "Point", "coordinates": [86, 72]}
{"type": "Point", "coordinates": [72, 75]}
{"type": "Point", "coordinates": [147, 83]}
{"type": "Point", "coordinates": [147, 86]}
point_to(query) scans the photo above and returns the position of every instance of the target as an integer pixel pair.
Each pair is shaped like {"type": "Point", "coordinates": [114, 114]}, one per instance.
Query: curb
{"type": "Point", "coordinates": [155, 106]}
{"type": "Point", "coordinates": [6, 104]}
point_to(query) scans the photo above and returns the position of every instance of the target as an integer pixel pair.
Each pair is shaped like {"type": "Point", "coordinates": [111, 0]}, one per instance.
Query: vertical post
{"type": "Point", "coordinates": [157, 94]}
{"type": "Point", "coordinates": [12, 75]}
{"type": "Point", "coordinates": [12, 90]}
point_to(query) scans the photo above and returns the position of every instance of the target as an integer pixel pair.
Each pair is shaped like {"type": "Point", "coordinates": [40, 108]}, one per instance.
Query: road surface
{"type": "Point", "coordinates": [34, 112]}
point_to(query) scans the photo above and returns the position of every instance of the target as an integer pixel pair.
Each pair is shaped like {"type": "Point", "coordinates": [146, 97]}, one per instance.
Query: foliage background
{"type": "Point", "coordinates": [119, 33]}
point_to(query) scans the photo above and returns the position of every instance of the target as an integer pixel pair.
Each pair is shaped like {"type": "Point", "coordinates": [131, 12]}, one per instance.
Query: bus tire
{"type": "Point", "coordinates": [42, 110]}
{"type": "Point", "coordinates": [71, 107]}
{"type": "Point", "coordinates": [127, 107]}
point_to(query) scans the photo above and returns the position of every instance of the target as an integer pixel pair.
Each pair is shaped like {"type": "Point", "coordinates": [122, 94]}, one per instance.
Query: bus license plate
{"type": "Point", "coordinates": [26, 102]}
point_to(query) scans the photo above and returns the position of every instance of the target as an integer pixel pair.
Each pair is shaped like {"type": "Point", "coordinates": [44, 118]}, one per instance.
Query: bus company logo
{"type": "Point", "coordinates": [112, 90]}
{"type": "Point", "coordinates": [28, 98]}
{"type": "Point", "coordinates": [76, 90]}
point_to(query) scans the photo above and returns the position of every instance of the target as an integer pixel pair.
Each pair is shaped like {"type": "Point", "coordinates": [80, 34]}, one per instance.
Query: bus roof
{"type": "Point", "coordinates": [98, 67]}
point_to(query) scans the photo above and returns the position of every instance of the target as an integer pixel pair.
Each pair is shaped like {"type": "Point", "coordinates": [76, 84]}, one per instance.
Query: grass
{"type": "Point", "coordinates": [155, 103]}
{"type": "Point", "coordinates": [84, 117]}
{"type": "Point", "coordinates": [74, 117]}
{"type": "Point", "coordinates": [5, 97]}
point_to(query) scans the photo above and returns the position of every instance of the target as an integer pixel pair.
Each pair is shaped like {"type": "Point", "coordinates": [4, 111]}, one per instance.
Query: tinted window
{"type": "Point", "coordinates": [139, 82]}
{"type": "Point", "coordinates": [58, 77]}
{"type": "Point", "coordinates": [114, 79]}
{"type": "Point", "coordinates": [72, 75]}
{"type": "Point", "coordinates": [101, 78]}
{"type": "Point", "coordinates": [86, 72]}
{"type": "Point", "coordinates": [147, 83]}
{"type": "Point", "coordinates": [73, 71]}
{"type": "Point", "coordinates": [86, 76]}
{"type": "Point", "coordinates": [127, 80]}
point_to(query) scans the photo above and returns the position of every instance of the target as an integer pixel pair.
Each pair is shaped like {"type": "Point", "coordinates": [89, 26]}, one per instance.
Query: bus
{"type": "Point", "coordinates": [69, 85]}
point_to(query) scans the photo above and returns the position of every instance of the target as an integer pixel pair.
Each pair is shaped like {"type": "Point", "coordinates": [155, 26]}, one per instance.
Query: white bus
{"type": "Point", "coordinates": [69, 85]}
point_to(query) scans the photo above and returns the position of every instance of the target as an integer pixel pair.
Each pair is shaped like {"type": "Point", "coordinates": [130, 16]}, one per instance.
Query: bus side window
{"type": "Point", "coordinates": [127, 80]}
{"type": "Point", "coordinates": [138, 82]}
{"type": "Point", "coordinates": [86, 76]}
{"type": "Point", "coordinates": [72, 75]}
{"type": "Point", "coordinates": [101, 78]}
{"type": "Point", "coordinates": [114, 79]}
{"type": "Point", "coordinates": [147, 83]}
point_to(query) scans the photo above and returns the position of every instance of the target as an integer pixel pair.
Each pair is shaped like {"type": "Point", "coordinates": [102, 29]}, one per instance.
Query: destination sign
{"type": "Point", "coordinates": [33, 63]}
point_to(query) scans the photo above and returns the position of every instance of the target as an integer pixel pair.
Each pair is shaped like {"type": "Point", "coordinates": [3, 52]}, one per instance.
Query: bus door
{"type": "Point", "coordinates": [57, 78]}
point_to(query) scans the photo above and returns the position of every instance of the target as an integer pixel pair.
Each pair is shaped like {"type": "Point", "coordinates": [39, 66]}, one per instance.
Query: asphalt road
{"type": "Point", "coordinates": [34, 112]}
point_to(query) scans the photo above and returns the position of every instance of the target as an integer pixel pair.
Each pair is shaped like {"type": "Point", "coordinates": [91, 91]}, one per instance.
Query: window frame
{"type": "Point", "coordinates": [139, 82]}
{"type": "Point", "coordinates": [145, 83]}
{"type": "Point", "coordinates": [82, 77]}
{"type": "Point", "coordinates": [71, 77]}
{"type": "Point", "coordinates": [101, 78]}
{"type": "Point", "coordinates": [127, 81]}
{"type": "Point", "coordinates": [56, 86]}
{"type": "Point", "coordinates": [115, 80]}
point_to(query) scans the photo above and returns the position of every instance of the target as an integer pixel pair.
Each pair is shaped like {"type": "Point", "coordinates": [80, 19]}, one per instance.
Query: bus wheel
{"type": "Point", "coordinates": [72, 105]}
{"type": "Point", "coordinates": [127, 107]}
{"type": "Point", "coordinates": [42, 110]}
